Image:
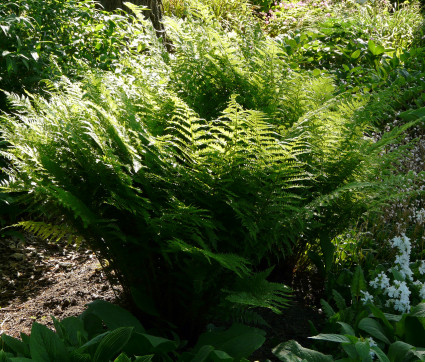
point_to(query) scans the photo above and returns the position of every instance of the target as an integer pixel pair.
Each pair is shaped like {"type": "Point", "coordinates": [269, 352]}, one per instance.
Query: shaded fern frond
{"type": "Point", "coordinates": [256, 291]}
{"type": "Point", "coordinates": [233, 262]}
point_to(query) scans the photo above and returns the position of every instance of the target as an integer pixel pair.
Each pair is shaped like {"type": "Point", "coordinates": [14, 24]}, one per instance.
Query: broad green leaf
{"type": "Point", "coordinates": [375, 49]}
{"type": "Point", "coordinates": [292, 351]}
{"type": "Point", "coordinates": [74, 332]}
{"type": "Point", "coordinates": [17, 346]}
{"type": "Point", "coordinates": [371, 46]}
{"type": "Point", "coordinates": [418, 311]}
{"type": "Point", "coordinates": [203, 354]}
{"type": "Point", "coordinates": [351, 351]}
{"type": "Point", "coordinates": [380, 354]}
{"type": "Point", "coordinates": [382, 316]}
{"type": "Point", "coordinates": [398, 350]}
{"type": "Point", "coordinates": [362, 349]}
{"type": "Point", "coordinates": [144, 343]}
{"type": "Point", "coordinates": [414, 331]}
{"type": "Point", "coordinates": [3, 356]}
{"type": "Point", "coordinates": [238, 341]}
{"type": "Point", "coordinates": [355, 54]}
{"type": "Point", "coordinates": [122, 358]}
{"type": "Point", "coordinates": [358, 283]}
{"type": "Point", "coordinates": [144, 358]}
{"type": "Point", "coordinates": [393, 317]}
{"type": "Point", "coordinates": [77, 356]}
{"type": "Point", "coordinates": [220, 356]}
{"type": "Point", "coordinates": [346, 329]}
{"type": "Point", "coordinates": [159, 344]}
{"type": "Point", "coordinates": [45, 345]}
{"type": "Point", "coordinates": [329, 312]}
{"type": "Point", "coordinates": [113, 316]}
{"type": "Point", "coordinates": [373, 327]}
{"type": "Point", "coordinates": [330, 337]}
{"type": "Point", "coordinates": [92, 342]}
{"type": "Point", "coordinates": [112, 344]}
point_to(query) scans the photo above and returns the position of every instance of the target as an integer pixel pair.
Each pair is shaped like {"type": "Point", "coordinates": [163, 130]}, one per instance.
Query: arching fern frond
{"type": "Point", "coordinates": [50, 232]}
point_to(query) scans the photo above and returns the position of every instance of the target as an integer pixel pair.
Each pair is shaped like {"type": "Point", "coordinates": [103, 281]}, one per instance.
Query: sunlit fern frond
{"type": "Point", "coordinates": [50, 232]}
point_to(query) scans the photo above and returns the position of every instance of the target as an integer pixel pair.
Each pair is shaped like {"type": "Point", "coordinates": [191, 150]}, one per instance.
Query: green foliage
{"type": "Point", "coordinates": [171, 206]}
{"type": "Point", "coordinates": [194, 172]}
{"type": "Point", "coordinates": [85, 338]}
{"type": "Point", "coordinates": [230, 13]}
{"type": "Point", "coordinates": [187, 188]}
{"type": "Point", "coordinates": [360, 44]}
{"type": "Point", "coordinates": [211, 64]}
{"type": "Point", "coordinates": [43, 40]}
{"type": "Point", "coordinates": [383, 336]}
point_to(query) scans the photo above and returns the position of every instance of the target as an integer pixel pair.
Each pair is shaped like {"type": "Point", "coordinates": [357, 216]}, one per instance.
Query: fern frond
{"type": "Point", "coordinates": [51, 232]}
{"type": "Point", "coordinates": [233, 262]}
{"type": "Point", "coordinates": [256, 291]}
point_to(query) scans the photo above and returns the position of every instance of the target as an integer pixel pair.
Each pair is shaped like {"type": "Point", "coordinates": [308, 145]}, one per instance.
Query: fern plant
{"type": "Point", "coordinates": [178, 215]}
{"type": "Point", "coordinates": [192, 178]}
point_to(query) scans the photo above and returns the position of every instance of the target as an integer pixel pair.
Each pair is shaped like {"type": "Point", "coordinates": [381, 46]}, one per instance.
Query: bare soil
{"type": "Point", "coordinates": [39, 279]}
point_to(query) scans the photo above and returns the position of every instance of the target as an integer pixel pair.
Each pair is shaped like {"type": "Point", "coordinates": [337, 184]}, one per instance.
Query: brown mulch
{"type": "Point", "coordinates": [39, 279]}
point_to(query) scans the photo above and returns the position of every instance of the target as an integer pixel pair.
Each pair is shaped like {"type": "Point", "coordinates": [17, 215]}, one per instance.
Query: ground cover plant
{"type": "Point", "coordinates": [106, 332]}
{"type": "Point", "coordinates": [198, 175]}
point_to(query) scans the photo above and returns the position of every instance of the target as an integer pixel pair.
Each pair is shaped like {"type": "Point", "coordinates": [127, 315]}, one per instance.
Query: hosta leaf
{"type": "Point", "coordinates": [122, 358]}
{"type": "Point", "coordinates": [238, 341]}
{"type": "Point", "coordinates": [373, 327]}
{"type": "Point", "coordinates": [362, 349]}
{"type": "Point", "coordinates": [45, 345]}
{"type": "Point", "coordinates": [380, 354]}
{"type": "Point", "coordinates": [17, 346]}
{"type": "Point", "coordinates": [112, 344]}
{"type": "Point", "coordinates": [418, 311]}
{"type": "Point", "coordinates": [330, 337]}
{"type": "Point", "coordinates": [144, 358]}
{"type": "Point", "coordinates": [293, 351]}
{"type": "Point", "coordinates": [113, 316]}
{"type": "Point", "coordinates": [203, 354]}
{"type": "Point", "coordinates": [346, 329]}
{"type": "Point", "coordinates": [399, 350]}
{"type": "Point", "coordinates": [382, 316]}
{"type": "Point", "coordinates": [414, 331]}
{"type": "Point", "coordinates": [220, 356]}
{"type": "Point", "coordinates": [146, 343]}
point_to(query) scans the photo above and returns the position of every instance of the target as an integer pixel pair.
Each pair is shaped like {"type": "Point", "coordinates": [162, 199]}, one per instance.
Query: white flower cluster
{"type": "Point", "coordinates": [398, 291]}
{"type": "Point", "coordinates": [422, 268]}
{"type": "Point", "coordinates": [402, 259]}
{"type": "Point", "coordinates": [372, 343]}
{"type": "Point", "coordinates": [366, 297]}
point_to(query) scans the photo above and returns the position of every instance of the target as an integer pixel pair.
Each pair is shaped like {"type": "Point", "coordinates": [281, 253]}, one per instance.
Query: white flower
{"type": "Point", "coordinates": [422, 268]}
{"type": "Point", "coordinates": [366, 297]}
{"type": "Point", "coordinates": [422, 292]}
{"type": "Point", "coordinates": [381, 281]}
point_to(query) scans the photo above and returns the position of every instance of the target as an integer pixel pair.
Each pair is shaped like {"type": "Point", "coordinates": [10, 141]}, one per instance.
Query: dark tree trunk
{"type": "Point", "coordinates": [154, 14]}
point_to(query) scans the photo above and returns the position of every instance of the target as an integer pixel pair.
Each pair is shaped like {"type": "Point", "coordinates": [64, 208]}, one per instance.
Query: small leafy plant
{"type": "Point", "coordinates": [106, 332]}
